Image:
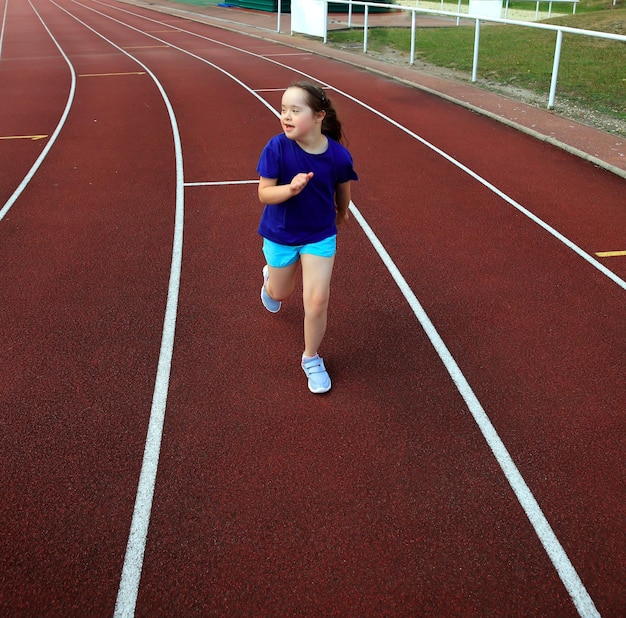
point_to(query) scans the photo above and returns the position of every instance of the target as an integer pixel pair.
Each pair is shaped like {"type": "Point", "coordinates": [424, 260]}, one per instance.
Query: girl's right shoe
{"type": "Point", "coordinates": [268, 302]}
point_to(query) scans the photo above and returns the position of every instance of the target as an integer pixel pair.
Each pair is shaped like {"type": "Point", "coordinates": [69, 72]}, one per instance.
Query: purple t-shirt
{"type": "Point", "coordinates": [309, 216]}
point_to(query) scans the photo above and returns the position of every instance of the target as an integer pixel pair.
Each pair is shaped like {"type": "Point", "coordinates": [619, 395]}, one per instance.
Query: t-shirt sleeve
{"type": "Point", "coordinates": [269, 161]}
{"type": "Point", "coordinates": [345, 169]}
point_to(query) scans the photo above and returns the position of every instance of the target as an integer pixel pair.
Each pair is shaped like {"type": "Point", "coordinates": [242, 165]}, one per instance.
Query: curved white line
{"type": "Point", "coordinates": [135, 548]}
{"type": "Point", "coordinates": [4, 21]}
{"type": "Point", "coordinates": [44, 153]}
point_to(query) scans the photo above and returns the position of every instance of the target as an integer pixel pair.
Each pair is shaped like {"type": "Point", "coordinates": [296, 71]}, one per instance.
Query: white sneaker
{"type": "Point", "coordinates": [319, 380]}
{"type": "Point", "coordinates": [268, 302]}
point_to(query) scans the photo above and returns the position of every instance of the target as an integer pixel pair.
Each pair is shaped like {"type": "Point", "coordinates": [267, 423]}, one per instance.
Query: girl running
{"type": "Point", "coordinates": [305, 176]}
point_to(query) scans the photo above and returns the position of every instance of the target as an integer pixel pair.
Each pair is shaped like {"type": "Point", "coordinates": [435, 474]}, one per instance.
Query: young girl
{"type": "Point", "coordinates": [305, 176]}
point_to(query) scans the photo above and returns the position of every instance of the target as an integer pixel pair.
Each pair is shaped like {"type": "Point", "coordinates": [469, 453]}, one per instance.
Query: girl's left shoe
{"type": "Point", "coordinates": [319, 380]}
{"type": "Point", "coordinates": [268, 302]}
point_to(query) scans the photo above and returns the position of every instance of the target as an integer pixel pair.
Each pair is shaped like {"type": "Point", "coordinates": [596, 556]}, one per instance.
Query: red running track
{"type": "Point", "coordinates": [131, 242]}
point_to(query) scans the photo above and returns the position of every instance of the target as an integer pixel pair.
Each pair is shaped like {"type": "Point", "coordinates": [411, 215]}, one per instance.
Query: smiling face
{"type": "Point", "coordinates": [299, 121]}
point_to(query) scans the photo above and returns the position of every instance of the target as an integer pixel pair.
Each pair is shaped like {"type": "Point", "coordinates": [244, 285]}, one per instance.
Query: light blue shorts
{"type": "Point", "coordinates": [279, 256]}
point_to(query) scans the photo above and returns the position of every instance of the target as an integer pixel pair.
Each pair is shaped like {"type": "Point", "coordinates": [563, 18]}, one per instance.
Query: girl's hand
{"type": "Point", "coordinates": [299, 182]}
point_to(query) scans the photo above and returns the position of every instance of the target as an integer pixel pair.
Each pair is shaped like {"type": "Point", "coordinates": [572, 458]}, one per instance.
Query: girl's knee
{"type": "Point", "coordinates": [281, 282]}
{"type": "Point", "coordinates": [316, 302]}
{"type": "Point", "coordinates": [278, 292]}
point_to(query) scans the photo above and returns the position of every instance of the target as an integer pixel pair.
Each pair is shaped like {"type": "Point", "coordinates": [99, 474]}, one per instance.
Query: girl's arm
{"type": "Point", "coordinates": [342, 201]}
{"type": "Point", "coordinates": [270, 192]}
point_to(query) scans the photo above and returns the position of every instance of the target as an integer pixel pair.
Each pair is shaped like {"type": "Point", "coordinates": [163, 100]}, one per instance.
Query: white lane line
{"type": "Point", "coordinates": [135, 548]}
{"type": "Point", "coordinates": [4, 21]}
{"type": "Point", "coordinates": [291, 54]}
{"type": "Point", "coordinates": [572, 582]}
{"type": "Point", "coordinates": [566, 571]}
{"type": "Point", "coordinates": [125, 73]}
{"type": "Point", "coordinates": [221, 183]}
{"type": "Point", "coordinates": [44, 153]}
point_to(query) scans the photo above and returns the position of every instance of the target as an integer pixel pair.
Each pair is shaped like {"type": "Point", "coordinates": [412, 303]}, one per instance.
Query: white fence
{"type": "Point", "coordinates": [506, 6]}
{"type": "Point", "coordinates": [550, 2]}
{"type": "Point", "coordinates": [414, 10]}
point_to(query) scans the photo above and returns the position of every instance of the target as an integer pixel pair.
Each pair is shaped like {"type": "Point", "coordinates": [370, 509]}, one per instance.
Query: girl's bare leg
{"type": "Point", "coordinates": [316, 274]}
{"type": "Point", "coordinates": [281, 281]}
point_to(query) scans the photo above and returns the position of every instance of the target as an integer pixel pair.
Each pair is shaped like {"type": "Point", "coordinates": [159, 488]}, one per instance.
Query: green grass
{"type": "Point", "coordinates": [592, 72]}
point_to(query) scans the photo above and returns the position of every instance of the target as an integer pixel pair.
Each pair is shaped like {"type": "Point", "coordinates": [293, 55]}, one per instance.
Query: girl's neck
{"type": "Point", "coordinates": [317, 144]}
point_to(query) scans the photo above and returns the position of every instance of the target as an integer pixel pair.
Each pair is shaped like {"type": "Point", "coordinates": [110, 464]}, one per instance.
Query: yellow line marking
{"type": "Point", "coordinates": [30, 137]}
{"type": "Point", "coordinates": [111, 74]}
{"type": "Point", "coordinates": [611, 253]}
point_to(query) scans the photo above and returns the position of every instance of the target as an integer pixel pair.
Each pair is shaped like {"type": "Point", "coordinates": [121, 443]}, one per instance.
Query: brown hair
{"type": "Point", "coordinates": [318, 101]}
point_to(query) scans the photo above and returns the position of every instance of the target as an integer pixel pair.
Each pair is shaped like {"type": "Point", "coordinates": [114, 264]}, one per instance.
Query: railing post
{"type": "Point", "coordinates": [365, 29]}
{"type": "Point", "coordinates": [350, 14]}
{"type": "Point", "coordinates": [412, 37]}
{"type": "Point", "coordinates": [280, 2]}
{"type": "Point", "coordinates": [555, 68]}
{"type": "Point", "coordinates": [476, 46]}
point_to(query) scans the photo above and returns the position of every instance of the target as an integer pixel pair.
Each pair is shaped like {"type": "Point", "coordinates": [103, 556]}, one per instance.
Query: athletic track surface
{"type": "Point", "coordinates": [160, 454]}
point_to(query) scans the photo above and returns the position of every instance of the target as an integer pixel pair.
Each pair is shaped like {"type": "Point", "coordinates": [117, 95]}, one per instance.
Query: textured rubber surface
{"type": "Point", "coordinates": [380, 498]}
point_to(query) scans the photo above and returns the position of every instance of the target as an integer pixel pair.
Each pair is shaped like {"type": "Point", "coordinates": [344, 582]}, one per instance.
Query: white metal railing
{"type": "Point", "coordinates": [478, 20]}
{"type": "Point", "coordinates": [506, 6]}
{"type": "Point", "coordinates": [550, 2]}
{"type": "Point", "coordinates": [537, 3]}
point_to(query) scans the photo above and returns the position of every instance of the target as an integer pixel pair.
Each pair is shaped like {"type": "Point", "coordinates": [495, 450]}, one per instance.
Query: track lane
{"type": "Point", "coordinates": [84, 252]}
{"type": "Point", "coordinates": [36, 95]}
{"type": "Point", "coordinates": [332, 510]}
{"type": "Point", "coordinates": [297, 326]}
{"type": "Point", "coordinates": [511, 338]}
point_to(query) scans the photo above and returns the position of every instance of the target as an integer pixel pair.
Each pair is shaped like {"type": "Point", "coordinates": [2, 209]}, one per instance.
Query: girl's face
{"type": "Point", "coordinates": [298, 120]}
